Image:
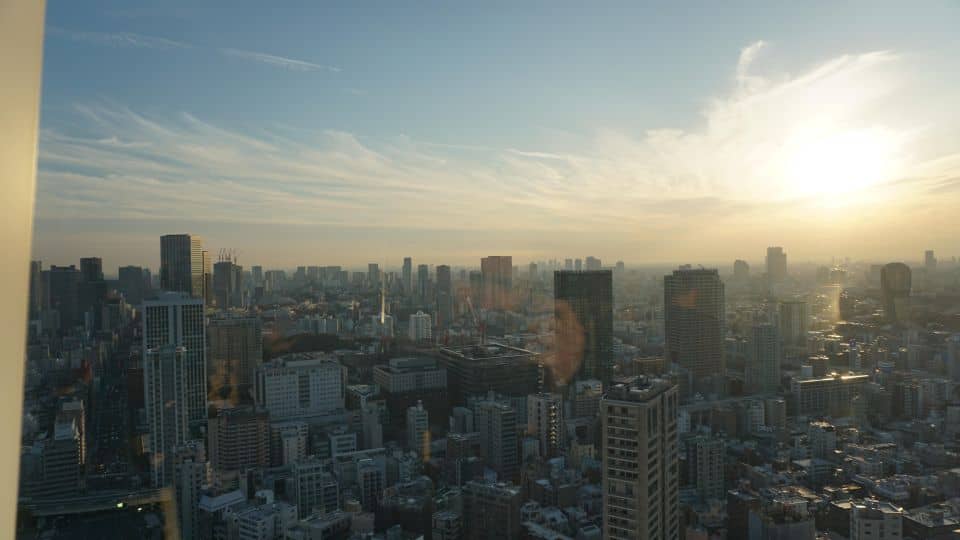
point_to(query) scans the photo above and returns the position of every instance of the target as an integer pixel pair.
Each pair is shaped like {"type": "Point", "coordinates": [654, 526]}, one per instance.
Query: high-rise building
{"type": "Point", "coordinates": [763, 359]}
{"type": "Point", "coordinates": [473, 371]}
{"type": "Point", "coordinates": [175, 319]}
{"type": "Point", "coordinates": [593, 263]}
{"type": "Point", "coordinates": [91, 269]}
{"type": "Point", "coordinates": [165, 383]}
{"type": "Point", "coordinates": [741, 271]}
{"type": "Point", "coordinates": [929, 260]}
{"type": "Point", "coordinates": [418, 429]}
{"type": "Point", "coordinates": [694, 324]}
{"type": "Point", "coordinates": [423, 283]}
{"type": "Point", "coordinates": [895, 288]}
{"type": "Point", "coordinates": [420, 327]}
{"type": "Point", "coordinates": [373, 275]}
{"type": "Point", "coordinates": [641, 497]}
{"type": "Point", "coordinates": [545, 422]}
{"type": "Point", "coordinates": [578, 265]}
{"type": "Point", "coordinates": [300, 385]}
{"type": "Point", "coordinates": [793, 323]}
{"type": "Point", "coordinates": [444, 296]}
{"type": "Point", "coordinates": [62, 288]}
{"type": "Point", "coordinates": [408, 276]}
{"type": "Point", "coordinates": [92, 291]}
{"type": "Point", "coordinates": [497, 424]}
{"type": "Point", "coordinates": [235, 351]}
{"type": "Point", "coordinates": [189, 477]}
{"type": "Point", "coordinates": [776, 264]}
{"type": "Point", "coordinates": [315, 487]}
{"type": "Point", "coordinates": [36, 289]}
{"type": "Point", "coordinates": [133, 284]}
{"type": "Point", "coordinates": [533, 273]}
{"type": "Point", "coordinates": [207, 292]}
{"type": "Point", "coordinates": [182, 264]}
{"type": "Point", "coordinates": [239, 439]}
{"type": "Point", "coordinates": [568, 264]}
{"type": "Point", "coordinates": [583, 317]}
{"type": "Point", "coordinates": [491, 511]}
{"type": "Point", "coordinates": [497, 281]}
{"type": "Point", "coordinates": [227, 284]}
{"type": "Point", "coordinates": [705, 465]}
{"type": "Point", "coordinates": [256, 274]}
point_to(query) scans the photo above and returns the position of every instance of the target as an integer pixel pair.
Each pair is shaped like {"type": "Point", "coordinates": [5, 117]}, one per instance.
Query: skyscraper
{"type": "Point", "coordinates": [763, 359]}
{"type": "Point", "coordinates": [166, 386]}
{"type": "Point", "coordinates": [895, 287]}
{"type": "Point", "coordinates": [741, 270]}
{"type": "Point", "coordinates": [132, 284]}
{"type": "Point", "coordinates": [694, 324]}
{"type": "Point", "coordinates": [583, 317]}
{"type": "Point", "coordinates": [497, 281]}
{"type": "Point", "coordinates": [91, 269]}
{"type": "Point", "coordinates": [408, 276]}
{"type": "Point", "coordinates": [545, 422]}
{"type": "Point", "coordinates": [444, 296]}
{"type": "Point", "coordinates": [62, 287]}
{"type": "Point", "coordinates": [641, 497]}
{"type": "Point", "coordinates": [593, 263]}
{"type": "Point", "coordinates": [497, 424]}
{"type": "Point", "coordinates": [776, 264]}
{"type": "Point", "coordinates": [793, 323]}
{"type": "Point", "coordinates": [236, 349]}
{"type": "Point", "coordinates": [239, 439]}
{"type": "Point", "coordinates": [182, 264]}
{"type": "Point", "coordinates": [227, 284]}
{"type": "Point", "coordinates": [423, 282]}
{"type": "Point", "coordinates": [373, 275]}
{"type": "Point", "coordinates": [36, 289]}
{"type": "Point", "coordinates": [419, 327]}
{"type": "Point", "coordinates": [418, 429]}
{"type": "Point", "coordinates": [176, 320]}
{"type": "Point", "coordinates": [929, 260]}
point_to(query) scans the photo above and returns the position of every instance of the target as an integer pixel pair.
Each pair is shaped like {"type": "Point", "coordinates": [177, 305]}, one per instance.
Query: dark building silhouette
{"type": "Point", "coordinates": [583, 316]}
{"type": "Point", "coordinates": [694, 325]}
{"type": "Point", "coordinates": [62, 284]}
{"type": "Point", "coordinates": [497, 281]}
{"type": "Point", "coordinates": [895, 281]}
{"type": "Point", "coordinates": [444, 297]}
{"type": "Point", "coordinates": [182, 264]}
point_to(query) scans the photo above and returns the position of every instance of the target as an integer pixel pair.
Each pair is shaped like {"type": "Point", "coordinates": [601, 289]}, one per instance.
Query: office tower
{"type": "Point", "coordinates": [694, 324]}
{"type": "Point", "coordinates": [895, 289]}
{"type": "Point", "coordinates": [175, 319]}
{"type": "Point", "coordinates": [705, 465]}
{"type": "Point", "coordinates": [953, 357]}
{"type": "Point", "coordinates": [497, 281]}
{"type": "Point", "coordinates": [929, 260]}
{"type": "Point", "coordinates": [423, 283]}
{"type": "Point", "coordinates": [227, 284]}
{"type": "Point", "coordinates": [418, 429]}
{"type": "Point", "coordinates": [373, 275]}
{"type": "Point", "coordinates": [189, 477]}
{"type": "Point", "coordinates": [62, 286]}
{"type": "Point", "coordinates": [315, 487]}
{"type": "Point", "coordinates": [239, 439]}
{"type": "Point", "coordinates": [776, 264]}
{"type": "Point", "coordinates": [444, 297]}
{"type": "Point", "coordinates": [300, 385]}
{"type": "Point", "coordinates": [545, 422]}
{"type": "Point", "coordinates": [36, 289]}
{"type": "Point", "coordinates": [491, 511]}
{"type": "Point", "coordinates": [593, 263]}
{"type": "Point", "coordinates": [91, 269]}
{"type": "Point", "coordinates": [256, 274]}
{"type": "Point", "coordinates": [871, 519]}
{"type": "Point", "coordinates": [497, 424]}
{"type": "Point", "coordinates": [793, 323]}
{"type": "Point", "coordinates": [407, 276]}
{"type": "Point", "coordinates": [533, 273]}
{"type": "Point", "coordinates": [827, 395]}
{"type": "Point", "coordinates": [207, 293]}
{"type": "Point", "coordinates": [132, 284]}
{"type": "Point", "coordinates": [583, 317]}
{"type": "Point", "coordinates": [476, 287]}
{"type": "Point", "coordinates": [741, 270]}
{"type": "Point", "coordinates": [568, 264]}
{"type": "Point", "coordinates": [420, 328]}
{"type": "Point", "coordinates": [578, 265]}
{"type": "Point", "coordinates": [182, 264]}
{"type": "Point", "coordinates": [473, 371]}
{"type": "Point", "coordinates": [763, 359]}
{"type": "Point", "coordinates": [235, 350]}
{"type": "Point", "coordinates": [166, 374]}
{"type": "Point", "coordinates": [641, 495]}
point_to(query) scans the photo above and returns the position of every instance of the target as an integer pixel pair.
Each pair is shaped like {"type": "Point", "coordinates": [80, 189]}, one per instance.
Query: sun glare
{"type": "Point", "coordinates": [840, 164]}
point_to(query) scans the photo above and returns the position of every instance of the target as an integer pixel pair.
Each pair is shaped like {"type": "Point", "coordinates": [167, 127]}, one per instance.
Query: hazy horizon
{"type": "Point", "coordinates": [351, 134]}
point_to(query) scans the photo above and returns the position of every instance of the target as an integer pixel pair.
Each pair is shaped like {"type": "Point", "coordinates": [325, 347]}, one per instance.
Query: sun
{"type": "Point", "coordinates": [840, 163]}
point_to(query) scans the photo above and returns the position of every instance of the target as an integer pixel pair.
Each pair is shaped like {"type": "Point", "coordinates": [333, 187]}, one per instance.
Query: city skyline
{"type": "Point", "coordinates": [764, 133]}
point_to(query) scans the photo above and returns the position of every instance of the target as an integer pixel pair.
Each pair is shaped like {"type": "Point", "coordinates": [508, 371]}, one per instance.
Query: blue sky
{"type": "Point", "coordinates": [345, 132]}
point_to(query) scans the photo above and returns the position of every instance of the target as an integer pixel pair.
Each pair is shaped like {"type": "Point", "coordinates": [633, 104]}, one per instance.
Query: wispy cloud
{"type": "Point", "coordinates": [119, 39]}
{"type": "Point", "coordinates": [732, 174]}
{"type": "Point", "coordinates": [279, 61]}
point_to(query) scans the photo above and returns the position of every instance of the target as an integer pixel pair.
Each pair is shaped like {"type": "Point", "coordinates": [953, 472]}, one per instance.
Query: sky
{"type": "Point", "coordinates": [354, 132]}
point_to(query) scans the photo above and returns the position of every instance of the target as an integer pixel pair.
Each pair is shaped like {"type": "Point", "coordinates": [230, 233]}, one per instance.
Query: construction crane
{"type": "Point", "coordinates": [478, 322]}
